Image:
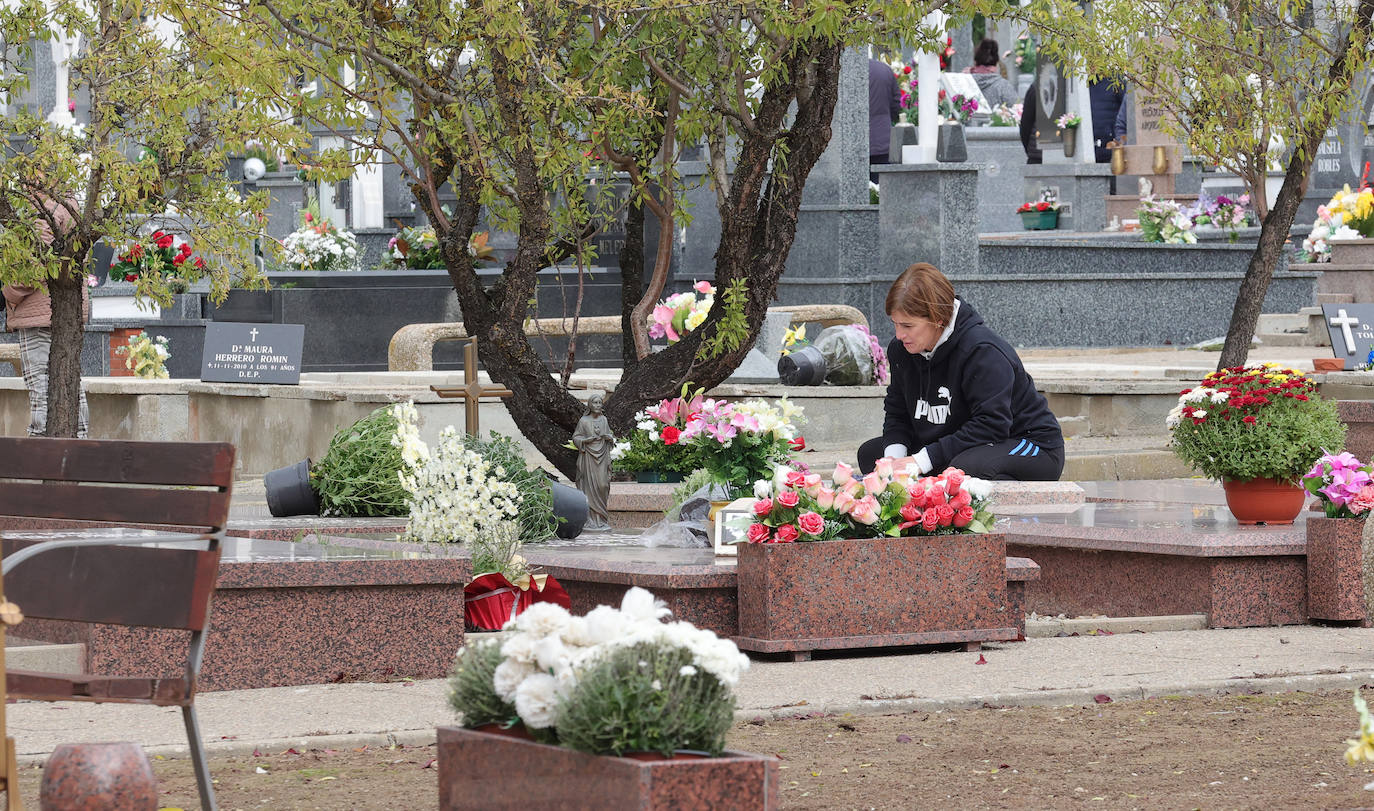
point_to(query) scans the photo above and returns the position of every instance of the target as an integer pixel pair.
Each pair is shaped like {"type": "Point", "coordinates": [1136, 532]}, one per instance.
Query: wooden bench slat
{"type": "Point", "coordinates": [120, 585]}
{"type": "Point", "coordinates": [39, 686]}
{"type": "Point", "coordinates": [122, 505]}
{"type": "Point", "coordinates": [195, 464]}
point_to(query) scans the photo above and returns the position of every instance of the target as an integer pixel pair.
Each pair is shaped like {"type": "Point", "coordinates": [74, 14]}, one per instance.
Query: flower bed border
{"type": "Point", "coordinates": [873, 592]}
{"type": "Point", "coordinates": [478, 767]}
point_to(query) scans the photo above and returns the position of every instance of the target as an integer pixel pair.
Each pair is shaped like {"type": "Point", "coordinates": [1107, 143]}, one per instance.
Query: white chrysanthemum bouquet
{"type": "Point", "coordinates": [614, 681]}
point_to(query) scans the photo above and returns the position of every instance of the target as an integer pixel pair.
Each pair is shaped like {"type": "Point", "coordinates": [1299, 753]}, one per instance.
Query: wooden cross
{"type": "Point", "coordinates": [472, 391]}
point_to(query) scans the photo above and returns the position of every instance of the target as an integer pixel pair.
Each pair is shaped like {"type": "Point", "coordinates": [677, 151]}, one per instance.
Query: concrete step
{"type": "Point", "coordinates": [1281, 322]}
{"type": "Point", "coordinates": [1293, 339]}
{"type": "Point", "coordinates": [22, 654]}
{"type": "Point", "coordinates": [1041, 627]}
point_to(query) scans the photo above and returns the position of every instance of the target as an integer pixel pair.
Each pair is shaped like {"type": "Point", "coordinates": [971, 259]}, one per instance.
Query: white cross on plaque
{"type": "Point", "coordinates": [1345, 322]}
{"type": "Point", "coordinates": [253, 333]}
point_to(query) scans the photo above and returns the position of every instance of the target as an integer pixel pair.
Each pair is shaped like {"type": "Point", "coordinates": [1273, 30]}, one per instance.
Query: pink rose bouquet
{"type": "Point", "coordinates": [1343, 485]}
{"type": "Point", "coordinates": [797, 506]}
{"type": "Point", "coordinates": [741, 443]}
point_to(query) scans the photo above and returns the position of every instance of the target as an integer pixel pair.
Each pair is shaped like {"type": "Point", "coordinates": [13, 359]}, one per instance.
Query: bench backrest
{"type": "Point", "coordinates": [181, 484]}
{"type": "Point", "coordinates": [118, 481]}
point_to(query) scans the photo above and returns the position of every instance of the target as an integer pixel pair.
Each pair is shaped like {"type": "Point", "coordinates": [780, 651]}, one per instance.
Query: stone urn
{"type": "Point", "coordinates": [98, 776]}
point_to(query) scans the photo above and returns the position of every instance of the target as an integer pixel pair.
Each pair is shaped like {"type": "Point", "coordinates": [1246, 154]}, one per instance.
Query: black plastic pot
{"type": "Point", "coordinates": [803, 367]}
{"type": "Point", "coordinates": [570, 506]}
{"type": "Point", "coordinates": [289, 491]}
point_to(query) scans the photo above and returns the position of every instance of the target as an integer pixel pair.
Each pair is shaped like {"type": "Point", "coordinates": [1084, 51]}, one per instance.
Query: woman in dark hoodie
{"type": "Point", "coordinates": [959, 396]}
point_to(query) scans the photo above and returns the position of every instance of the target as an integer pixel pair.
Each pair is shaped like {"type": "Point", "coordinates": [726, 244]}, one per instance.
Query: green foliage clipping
{"type": "Point", "coordinates": [646, 698]}
{"type": "Point", "coordinates": [472, 693]}
{"type": "Point", "coordinates": [536, 520]}
{"type": "Point", "coordinates": [358, 475]}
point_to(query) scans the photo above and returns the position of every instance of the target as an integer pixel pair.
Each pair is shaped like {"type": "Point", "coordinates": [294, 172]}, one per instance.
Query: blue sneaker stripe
{"type": "Point", "coordinates": [1037, 451]}
{"type": "Point", "coordinates": [1013, 451]}
{"type": "Point", "coordinates": [1029, 447]}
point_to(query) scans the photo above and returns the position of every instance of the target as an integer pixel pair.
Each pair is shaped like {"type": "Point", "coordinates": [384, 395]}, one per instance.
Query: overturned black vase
{"type": "Point", "coordinates": [803, 367]}
{"type": "Point", "coordinates": [289, 491]}
{"type": "Point", "coordinates": [570, 508]}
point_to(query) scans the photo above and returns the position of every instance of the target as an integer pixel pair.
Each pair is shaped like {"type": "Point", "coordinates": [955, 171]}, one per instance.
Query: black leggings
{"type": "Point", "coordinates": [1010, 460]}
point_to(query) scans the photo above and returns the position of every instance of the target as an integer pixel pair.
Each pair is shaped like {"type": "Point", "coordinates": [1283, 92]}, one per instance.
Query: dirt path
{"type": "Point", "coordinates": [1265, 751]}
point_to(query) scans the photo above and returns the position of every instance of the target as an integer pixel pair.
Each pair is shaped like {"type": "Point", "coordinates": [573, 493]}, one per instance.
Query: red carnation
{"type": "Point", "coordinates": [671, 435]}
{"type": "Point", "coordinates": [906, 69]}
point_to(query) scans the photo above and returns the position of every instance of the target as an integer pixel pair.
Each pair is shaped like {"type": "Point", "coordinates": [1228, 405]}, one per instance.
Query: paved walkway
{"type": "Point", "coordinates": [1063, 671]}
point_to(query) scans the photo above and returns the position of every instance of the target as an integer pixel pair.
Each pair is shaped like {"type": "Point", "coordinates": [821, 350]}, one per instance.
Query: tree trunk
{"type": "Point", "coordinates": [64, 360]}
{"type": "Point", "coordinates": [758, 223]}
{"type": "Point", "coordinates": [1275, 227]}
{"type": "Point", "coordinates": [631, 279]}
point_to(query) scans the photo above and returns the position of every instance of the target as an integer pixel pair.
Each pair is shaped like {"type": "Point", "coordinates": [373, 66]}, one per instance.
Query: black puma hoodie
{"type": "Point", "coordinates": [972, 391]}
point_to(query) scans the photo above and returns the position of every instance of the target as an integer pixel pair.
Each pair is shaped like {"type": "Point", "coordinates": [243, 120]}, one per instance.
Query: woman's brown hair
{"type": "Point", "coordinates": [923, 292]}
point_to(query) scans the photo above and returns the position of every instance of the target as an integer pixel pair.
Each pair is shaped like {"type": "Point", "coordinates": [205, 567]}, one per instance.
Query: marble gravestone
{"type": "Point", "coordinates": [1351, 327]}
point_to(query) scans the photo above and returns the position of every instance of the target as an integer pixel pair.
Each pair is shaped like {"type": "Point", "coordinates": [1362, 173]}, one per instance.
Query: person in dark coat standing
{"type": "Point", "coordinates": [884, 110]}
{"type": "Point", "coordinates": [1028, 107]}
{"type": "Point", "coordinates": [959, 395]}
{"type": "Point", "coordinates": [1106, 98]}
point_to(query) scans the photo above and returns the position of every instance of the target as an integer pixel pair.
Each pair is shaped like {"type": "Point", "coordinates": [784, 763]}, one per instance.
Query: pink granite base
{"type": "Point", "coordinates": [1233, 592]}
{"type": "Point", "coordinates": [487, 770]}
{"type": "Point", "coordinates": [278, 622]}
{"type": "Point", "coordinates": [1335, 587]}
{"type": "Point", "coordinates": [1358, 416]}
{"type": "Point", "coordinates": [874, 592]}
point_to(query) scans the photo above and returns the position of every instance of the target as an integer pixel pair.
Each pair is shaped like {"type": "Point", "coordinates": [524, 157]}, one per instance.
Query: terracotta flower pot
{"type": "Point", "coordinates": [1264, 501]}
{"type": "Point", "coordinates": [481, 768]}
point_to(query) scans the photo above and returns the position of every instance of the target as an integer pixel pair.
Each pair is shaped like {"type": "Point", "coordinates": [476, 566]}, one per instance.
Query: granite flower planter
{"type": "Point", "coordinates": [1335, 590]}
{"type": "Point", "coordinates": [479, 769]}
{"type": "Point", "coordinates": [1352, 252]}
{"type": "Point", "coordinates": [875, 592]}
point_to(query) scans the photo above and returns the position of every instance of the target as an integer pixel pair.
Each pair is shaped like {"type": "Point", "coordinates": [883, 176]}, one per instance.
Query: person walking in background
{"type": "Point", "coordinates": [28, 311]}
{"type": "Point", "coordinates": [884, 110]}
{"type": "Point", "coordinates": [996, 89]}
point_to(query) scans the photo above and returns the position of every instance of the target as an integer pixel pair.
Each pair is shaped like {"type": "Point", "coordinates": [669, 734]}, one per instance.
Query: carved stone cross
{"type": "Point", "coordinates": [472, 391]}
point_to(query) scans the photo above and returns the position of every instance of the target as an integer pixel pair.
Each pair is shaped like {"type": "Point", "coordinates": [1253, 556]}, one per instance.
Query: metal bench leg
{"type": "Point", "coordinates": [207, 790]}
{"type": "Point", "coordinates": [12, 801]}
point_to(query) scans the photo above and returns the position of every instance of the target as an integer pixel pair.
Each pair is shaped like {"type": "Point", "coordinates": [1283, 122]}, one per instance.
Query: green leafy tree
{"type": "Point", "coordinates": [160, 125]}
{"type": "Point", "coordinates": [502, 111]}
{"type": "Point", "coordinates": [1247, 84]}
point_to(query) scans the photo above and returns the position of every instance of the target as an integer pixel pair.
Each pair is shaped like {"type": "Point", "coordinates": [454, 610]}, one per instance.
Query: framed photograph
{"type": "Point", "coordinates": [731, 523]}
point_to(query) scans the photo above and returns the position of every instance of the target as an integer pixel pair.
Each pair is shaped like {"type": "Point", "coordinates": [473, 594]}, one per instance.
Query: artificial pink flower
{"type": "Point", "coordinates": [787, 533]}
{"type": "Point", "coordinates": [910, 512]}
{"type": "Point", "coordinates": [844, 502]}
{"type": "Point", "coordinates": [954, 477]}
{"type": "Point", "coordinates": [763, 507]}
{"type": "Point", "coordinates": [874, 484]}
{"type": "Point", "coordinates": [961, 500]}
{"type": "Point", "coordinates": [811, 523]}
{"type": "Point", "coordinates": [843, 473]}
{"type": "Point", "coordinates": [795, 478]}
{"type": "Point", "coordinates": [704, 288]}
{"type": "Point", "coordinates": [963, 517]}
{"type": "Point", "coordinates": [944, 514]}
{"type": "Point", "coordinates": [1362, 501]}
{"type": "Point", "coordinates": [930, 520]}
{"type": "Point", "coordinates": [757, 533]}
{"type": "Point", "coordinates": [884, 467]}
{"type": "Point", "coordinates": [788, 498]}
{"type": "Point", "coordinates": [825, 499]}
{"type": "Point", "coordinates": [865, 511]}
